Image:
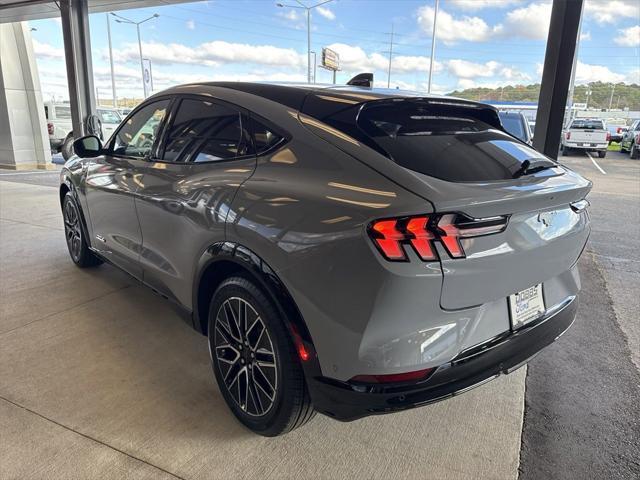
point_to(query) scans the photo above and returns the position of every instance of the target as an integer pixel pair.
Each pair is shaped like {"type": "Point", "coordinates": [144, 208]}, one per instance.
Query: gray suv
{"type": "Point", "coordinates": [347, 250]}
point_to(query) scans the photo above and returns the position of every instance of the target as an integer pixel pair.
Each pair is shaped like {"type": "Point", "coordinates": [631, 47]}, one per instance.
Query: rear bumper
{"type": "Point", "coordinates": [471, 368]}
{"type": "Point", "coordinates": [588, 146]}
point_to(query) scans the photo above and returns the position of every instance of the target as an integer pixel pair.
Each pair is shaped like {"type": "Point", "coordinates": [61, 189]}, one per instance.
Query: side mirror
{"type": "Point", "coordinates": [87, 146]}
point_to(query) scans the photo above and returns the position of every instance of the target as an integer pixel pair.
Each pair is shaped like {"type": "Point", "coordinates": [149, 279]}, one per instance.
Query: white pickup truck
{"type": "Point", "coordinates": [60, 130]}
{"type": "Point", "coordinates": [586, 134]}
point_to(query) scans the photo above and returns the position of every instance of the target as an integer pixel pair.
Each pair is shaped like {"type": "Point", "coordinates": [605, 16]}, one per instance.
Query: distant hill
{"type": "Point", "coordinates": [623, 95]}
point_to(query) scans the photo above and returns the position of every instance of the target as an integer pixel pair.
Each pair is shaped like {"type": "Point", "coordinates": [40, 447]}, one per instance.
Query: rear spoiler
{"type": "Point", "coordinates": [362, 80]}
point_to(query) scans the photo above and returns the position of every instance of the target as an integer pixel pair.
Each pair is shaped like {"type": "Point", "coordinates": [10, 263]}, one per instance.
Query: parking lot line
{"type": "Point", "coordinates": [596, 164]}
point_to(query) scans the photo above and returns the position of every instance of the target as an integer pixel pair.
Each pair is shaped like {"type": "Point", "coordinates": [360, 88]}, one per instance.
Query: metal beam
{"type": "Point", "coordinates": [77, 52]}
{"type": "Point", "coordinates": [556, 76]}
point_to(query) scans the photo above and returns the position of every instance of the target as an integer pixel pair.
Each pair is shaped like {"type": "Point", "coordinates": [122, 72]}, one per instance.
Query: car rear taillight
{"type": "Point", "coordinates": [608, 137]}
{"type": "Point", "coordinates": [390, 235]}
{"type": "Point", "coordinates": [638, 138]}
{"type": "Point", "coordinates": [50, 128]}
{"type": "Point", "coordinates": [619, 130]}
{"type": "Point", "coordinates": [394, 377]}
{"type": "Point", "coordinates": [568, 135]}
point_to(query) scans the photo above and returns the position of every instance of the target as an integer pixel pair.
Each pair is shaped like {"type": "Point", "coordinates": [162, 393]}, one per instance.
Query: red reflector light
{"type": "Point", "coordinates": [608, 137]}
{"type": "Point", "coordinates": [50, 128]}
{"type": "Point", "coordinates": [387, 237]}
{"type": "Point", "coordinates": [302, 352]}
{"type": "Point", "coordinates": [394, 377]}
{"type": "Point", "coordinates": [568, 135]}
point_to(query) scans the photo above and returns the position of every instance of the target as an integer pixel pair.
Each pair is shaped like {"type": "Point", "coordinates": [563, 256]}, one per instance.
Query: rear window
{"type": "Point", "coordinates": [447, 143]}
{"type": "Point", "coordinates": [63, 112]}
{"type": "Point", "coordinates": [109, 116]}
{"type": "Point", "coordinates": [587, 125]}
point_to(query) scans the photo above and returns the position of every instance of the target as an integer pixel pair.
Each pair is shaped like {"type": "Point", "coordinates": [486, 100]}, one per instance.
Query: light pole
{"type": "Point", "coordinates": [433, 44]}
{"type": "Point", "coordinates": [308, 10]}
{"type": "Point", "coordinates": [121, 19]}
{"type": "Point", "coordinates": [113, 79]}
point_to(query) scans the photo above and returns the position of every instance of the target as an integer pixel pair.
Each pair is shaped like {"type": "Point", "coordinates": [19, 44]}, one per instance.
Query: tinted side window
{"type": "Point", "coordinates": [206, 131]}
{"type": "Point", "coordinates": [263, 137]}
{"type": "Point", "coordinates": [136, 136]}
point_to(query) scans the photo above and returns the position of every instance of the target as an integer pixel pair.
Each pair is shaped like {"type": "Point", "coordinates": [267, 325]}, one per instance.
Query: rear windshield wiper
{"type": "Point", "coordinates": [527, 169]}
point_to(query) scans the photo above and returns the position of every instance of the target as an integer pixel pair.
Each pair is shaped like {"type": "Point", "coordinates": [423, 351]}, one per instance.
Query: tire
{"type": "Point", "coordinates": [259, 355]}
{"type": "Point", "coordinates": [602, 154]}
{"type": "Point", "coordinates": [622, 149]}
{"type": "Point", "coordinates": [633, 151]}
{"type": "Point", "coordinates": [76, 236]}
{"type": "Point", "coordinates": [67, 147]}
{"type": "Point", "coordinates": [564, 151]}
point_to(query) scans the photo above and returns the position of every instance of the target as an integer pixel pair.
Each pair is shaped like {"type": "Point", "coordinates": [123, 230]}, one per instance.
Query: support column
{"type": "Point", "coordinates": [556, 76]}
{"type": "Point", "coordinates": [77, 51]}
{"type": "Point", "coordinates": [24, 141]}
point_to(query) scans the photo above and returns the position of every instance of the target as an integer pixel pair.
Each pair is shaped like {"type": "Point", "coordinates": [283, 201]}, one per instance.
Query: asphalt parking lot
{"type": "Point", "coordinates": [99, 379]}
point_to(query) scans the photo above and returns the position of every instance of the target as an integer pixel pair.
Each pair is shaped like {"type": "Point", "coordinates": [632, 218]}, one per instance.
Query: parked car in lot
{"type": "Point", "coordinates": [60, 128]}
{"type": "Point", "coordinates": [347, 250]}
{"type": "Point", "coordinates": [616, 131]}
{"type": "Point", "coordinates": [517, 125]}
{"type": "Point", "coordinates": [587, 135]}
{"type": "Point", "coordinates": [630, 141]}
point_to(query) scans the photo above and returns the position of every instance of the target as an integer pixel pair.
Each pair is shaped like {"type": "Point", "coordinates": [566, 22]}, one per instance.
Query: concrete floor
{"type": "Point", "coordinates": [100, 379]}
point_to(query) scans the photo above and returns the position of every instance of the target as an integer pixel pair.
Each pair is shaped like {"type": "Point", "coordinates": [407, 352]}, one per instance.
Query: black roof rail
{"type": "Point", "coordinates": [362, 80]}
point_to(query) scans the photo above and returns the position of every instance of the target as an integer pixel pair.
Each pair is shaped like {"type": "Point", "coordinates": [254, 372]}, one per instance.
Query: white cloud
{"type": "Point", "coordinates": [452, 29]}
{"type": "Point", "coordinates": [45, 50]}
{"type": "Point", "coordinates": [326, 13]}
{"type": "Point", "coordinates": [481, 4]}
{"type": "Point", "coordinates": [212, 54]}
{"type": "Point", "coordinates": [633, 76]}
{"type": "Point", "coordinates": [355, 59]}
{"type": "Point", "coordinates": [531, 22]}
{"type": "Point", "coordinates": [464, 69]}
{"type": "Point", "coordinates": [611, 11]}
{"type": "Point", "coordinates": [290, 15]}
{"type": "Point", "coordinates": [585, 36]}
{"type": "Point", "coordinates": [628, 37]}
{"type": "Point", "coordinates": [586, 73]}
{"type": "Point", "coordinates": [191, 25]}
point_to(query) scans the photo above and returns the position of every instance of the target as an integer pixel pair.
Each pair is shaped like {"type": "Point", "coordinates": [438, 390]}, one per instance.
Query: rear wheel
{"type": "Point", "coordinates": [67, 147]}
{"type": "Point", "coordinates": [254, 360]}
{"type": "Point", "coordinates": [633, 151]}
{"type": "Point", "coordinates": [564, 151]}
{"type": "Point", "coordinates": [79, 250]}
{"type": "Point", "coordinates": [602, 154]}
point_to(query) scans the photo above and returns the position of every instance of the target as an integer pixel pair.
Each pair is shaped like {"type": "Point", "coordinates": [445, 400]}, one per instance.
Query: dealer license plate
{"type": "Point", "coordinates": [526, 306]}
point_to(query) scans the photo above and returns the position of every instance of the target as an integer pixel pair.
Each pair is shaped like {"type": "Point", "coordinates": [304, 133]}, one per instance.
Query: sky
{"type": "Point", "coordinates": [490, 43]}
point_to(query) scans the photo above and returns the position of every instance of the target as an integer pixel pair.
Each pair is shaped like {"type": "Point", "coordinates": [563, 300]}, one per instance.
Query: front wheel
{"type": "Point", "coordinates": [254, 360]}
{"type": "Point", "coordinates": [79, 250]}
{"type": "Point", "coordinates": [634, 152]}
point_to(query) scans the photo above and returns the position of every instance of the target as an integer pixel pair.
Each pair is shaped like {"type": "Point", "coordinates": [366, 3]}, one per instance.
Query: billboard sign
{"type": "Point", "coordinates": [330, 59]}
